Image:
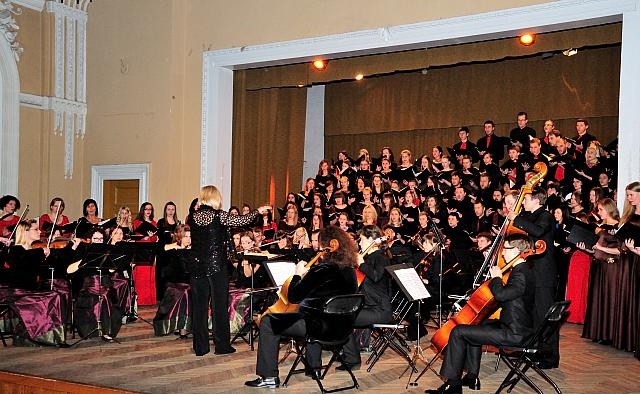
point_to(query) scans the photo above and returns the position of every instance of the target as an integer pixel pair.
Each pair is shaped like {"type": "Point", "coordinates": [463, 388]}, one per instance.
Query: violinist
{"type": "Point", "coordinates": [536, 221]}
{"type": "Point", "coordinates": [90, 211]}
{"type": "Point", "coordinates": [334, 275]}
{"type": "Point", "coordinates": [376, 288]}
{"type": "Point", "coordinates": [23, 258]}
{"type": "Point", "coordinates": [8, 206]}
{"type": "Point", "coordinates": [516, 297]}
{"type": "Point", "coordinates": [56, 207]}
{"type": "Point", "coordinates": [175, 308]}
{"type": "Point", "coordinates": [98, 300]}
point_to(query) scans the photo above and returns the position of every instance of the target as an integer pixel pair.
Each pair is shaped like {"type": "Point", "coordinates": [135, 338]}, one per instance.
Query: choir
{"type": "Point", "coordinates": [465, 192]}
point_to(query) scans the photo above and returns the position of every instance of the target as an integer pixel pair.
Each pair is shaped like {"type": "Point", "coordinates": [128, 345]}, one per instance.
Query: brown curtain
{"type": "Point", "coordinates": [417, 111]}
{"type": "Point", "coordinates": [268, 141]}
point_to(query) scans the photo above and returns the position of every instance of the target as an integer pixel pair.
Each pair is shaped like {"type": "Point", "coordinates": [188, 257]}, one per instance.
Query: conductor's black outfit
{"type": "Point", "coordinates": [514, 327]}
{"type": "Point", "coordinates": [539, 225]}
{"type": "Point", "coordinates": [209, 276]}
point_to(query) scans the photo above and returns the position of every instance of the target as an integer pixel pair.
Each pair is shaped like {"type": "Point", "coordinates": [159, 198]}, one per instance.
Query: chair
{"type": "Point", "coordinates": [5, 323]}
{"type": "Point", "coordinates": [520, 359]}
{"type": "Point", "coordinates": [329, 325]}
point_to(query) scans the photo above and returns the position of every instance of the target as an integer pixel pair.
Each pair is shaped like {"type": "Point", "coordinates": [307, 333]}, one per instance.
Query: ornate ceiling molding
{"type": "Point", "coordinates": [9, 26]}
{"type": "Point", "coordinates": [36, 5]}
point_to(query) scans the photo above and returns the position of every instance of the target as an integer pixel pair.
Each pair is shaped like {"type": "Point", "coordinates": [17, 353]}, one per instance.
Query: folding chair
{"type": "Point", "coordinates": [330, 327]}
{"type": "Point", "coordinates": [520, 359]}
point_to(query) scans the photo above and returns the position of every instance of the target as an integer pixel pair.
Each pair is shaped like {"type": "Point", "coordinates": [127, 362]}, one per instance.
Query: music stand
{"type": "Point", "coordinates": [138, 253]}
{"type": "Point", "coordinates": [279, 271]}
{"type": "Point", "coordinates": [441, 245]}
{"type": "Point", "coordinates": [250, 325]}
{"type": "Point", "coordinates": [101, 257]}
{"type": "Point", "coordinates": [415, 291]}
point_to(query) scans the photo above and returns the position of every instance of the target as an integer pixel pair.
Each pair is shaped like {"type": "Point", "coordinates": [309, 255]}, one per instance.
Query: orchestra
{"type": "Point", "coordinates": [474, 200]}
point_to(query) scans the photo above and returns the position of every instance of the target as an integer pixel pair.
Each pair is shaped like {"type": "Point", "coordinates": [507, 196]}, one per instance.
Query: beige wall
{"type": "Point", "coordinates": [144, 74]}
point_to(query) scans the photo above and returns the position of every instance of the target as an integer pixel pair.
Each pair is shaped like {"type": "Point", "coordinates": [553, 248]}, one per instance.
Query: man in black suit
{"type": "Point", "coordinates": [514, 327]}
{"type": "Point", "coordinates": [522, 134]}
{"type": "Point", "coordinates": [491, 143]}
{"type": "Point", "coordinates": [536, 221]}
{"type": "Point", "coordinates": [465, 147]}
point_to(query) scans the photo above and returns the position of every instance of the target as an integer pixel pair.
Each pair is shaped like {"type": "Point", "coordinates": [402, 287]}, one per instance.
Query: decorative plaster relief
{"type": "Point", "coordinates": [8, 26]}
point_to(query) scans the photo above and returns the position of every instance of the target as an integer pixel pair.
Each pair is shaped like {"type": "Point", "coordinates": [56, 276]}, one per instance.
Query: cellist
{"type": "Point", "coordinates": [334, 275]}
{"type": "Point", "coordinates": [536, 221]}
{"type": "Point", "coordinates": [516, 297]}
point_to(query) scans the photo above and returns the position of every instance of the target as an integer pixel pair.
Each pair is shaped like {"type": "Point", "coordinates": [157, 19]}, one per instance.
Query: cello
{"type": "Point", "coordinates": [481, 304]}
{"type": "Point", "coordinates": [282, 304]}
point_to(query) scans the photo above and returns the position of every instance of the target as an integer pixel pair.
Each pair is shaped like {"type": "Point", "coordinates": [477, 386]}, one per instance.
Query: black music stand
{"type": "Point", "coordinates": [138, 253]}
{"type": "Point", "coordinates": [100, 257]}
{"type": "Point", "coordinates": [250, 327]}
{"type": "Point", "coordinates": [279, 270]}
{"type": "Point", "coordinates": [415, 291]}
{"type": "Point", "coordinates": [441, 245]}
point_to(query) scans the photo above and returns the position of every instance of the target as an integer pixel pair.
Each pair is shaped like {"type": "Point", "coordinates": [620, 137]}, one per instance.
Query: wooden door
{"type": "Point", "coordinates": [118, 193]}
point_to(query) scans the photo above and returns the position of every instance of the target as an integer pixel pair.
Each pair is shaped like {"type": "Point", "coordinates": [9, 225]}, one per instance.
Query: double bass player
{"type": "Point", "coordinates": [516, 297]}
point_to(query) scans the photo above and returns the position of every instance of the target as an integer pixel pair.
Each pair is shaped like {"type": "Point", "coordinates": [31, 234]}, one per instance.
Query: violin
{"type": "Point", "coordinates": [360, 276]}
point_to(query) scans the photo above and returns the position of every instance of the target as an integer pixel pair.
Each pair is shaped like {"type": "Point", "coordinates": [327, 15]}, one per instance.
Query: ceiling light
{"type": "Point", "coordinates": [527, 39]}
{"type": "Point", "coordinates": [570, 52]}
{"type": "Point", "coordinates": [359, 77]}
{"type": "Point", "coordinates": [320, 64]}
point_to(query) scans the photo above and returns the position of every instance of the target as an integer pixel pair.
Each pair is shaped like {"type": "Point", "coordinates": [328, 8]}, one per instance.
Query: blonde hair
{"type": "Point", "coordinates": [610, 207]}
{"type": "Point", "coordinates": [119, 218]}
{"type": "Point", "coordinates": [210, 195]}
{"type": "Point", "coordinates": [22, 230]}
{"type": "Point", "coordinates": [374, 214]}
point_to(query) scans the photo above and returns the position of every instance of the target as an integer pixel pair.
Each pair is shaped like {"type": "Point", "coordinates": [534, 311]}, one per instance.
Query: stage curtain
{"type": "Point", "coordinates": [417, 111]}
{"type": "Point", "coordinates": [268, 143]}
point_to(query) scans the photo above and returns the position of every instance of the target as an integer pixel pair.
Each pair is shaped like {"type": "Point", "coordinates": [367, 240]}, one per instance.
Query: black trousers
{"type": "Point", "coordinates": [210, 290]}
{"type": "Point", "coordinates": [365, 318]}
{"type": "Point", "coordinates": [273, 327]}
{"type": "Point", "coordinates": [464, 349]}
{"type": "Point", "coordinates": [545, 297]}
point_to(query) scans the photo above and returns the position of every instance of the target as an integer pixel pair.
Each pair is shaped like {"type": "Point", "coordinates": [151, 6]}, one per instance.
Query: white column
{"type": "Point", "coordinates": [313, 131]}
{"type": "Point", "coordinates": [629, 125]}
{"type": "Point", "coordinates": [217, 115]}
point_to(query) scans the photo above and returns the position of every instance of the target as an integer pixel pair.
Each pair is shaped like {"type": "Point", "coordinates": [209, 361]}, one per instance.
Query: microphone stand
{"type": "Point", "coordinates": [441, 244]}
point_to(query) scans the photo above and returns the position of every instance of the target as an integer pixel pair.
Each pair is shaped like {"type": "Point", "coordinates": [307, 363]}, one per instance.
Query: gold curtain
{"type": "Point", "coordinates": [417, 111]}
{"type": "Point", "coordinates": [268, 141]}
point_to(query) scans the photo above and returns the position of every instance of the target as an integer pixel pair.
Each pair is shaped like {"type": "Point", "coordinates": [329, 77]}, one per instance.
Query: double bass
{"type": "Point", "coordinates": [481, 303]}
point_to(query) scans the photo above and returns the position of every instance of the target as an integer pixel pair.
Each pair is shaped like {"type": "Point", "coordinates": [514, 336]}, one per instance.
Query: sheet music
{"type": "Point", "coordinates": [412, 283]}
{"type": "Point", "coordinates": [281, 270]}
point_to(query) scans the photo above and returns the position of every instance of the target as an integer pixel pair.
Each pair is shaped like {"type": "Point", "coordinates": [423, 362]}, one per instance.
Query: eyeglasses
{"type": "Point", "coordinates": [97, 239]}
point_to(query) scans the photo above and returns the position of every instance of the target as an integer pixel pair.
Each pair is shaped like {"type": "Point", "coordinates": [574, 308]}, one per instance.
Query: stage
{"type": "Point", "coordinates": [142, 362]}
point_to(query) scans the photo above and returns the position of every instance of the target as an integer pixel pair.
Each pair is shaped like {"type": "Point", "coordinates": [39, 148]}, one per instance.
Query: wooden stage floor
{"type": "Point", "coordinates": [142, 362]}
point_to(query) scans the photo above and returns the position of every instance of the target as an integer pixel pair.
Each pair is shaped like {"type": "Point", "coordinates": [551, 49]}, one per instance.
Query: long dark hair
{"type": "Point", "coordinates": [347, 253]}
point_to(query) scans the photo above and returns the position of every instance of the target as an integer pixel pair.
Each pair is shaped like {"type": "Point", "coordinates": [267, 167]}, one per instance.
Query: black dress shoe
{"type": "Point", "coordinates": [546, 365]}
{"type": "Point", "coordinates": [226, 350]}
{"type": "Point", "coordinates": [352, 367]}
{"type": "Point", "coordinates": [313, 374]}
{"type": "Point", "coordinates": [271, 383]}
{"type": "Point", "coordinates": [446, 388]}
{"type": "Point", "coordinates": [471, 381]}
